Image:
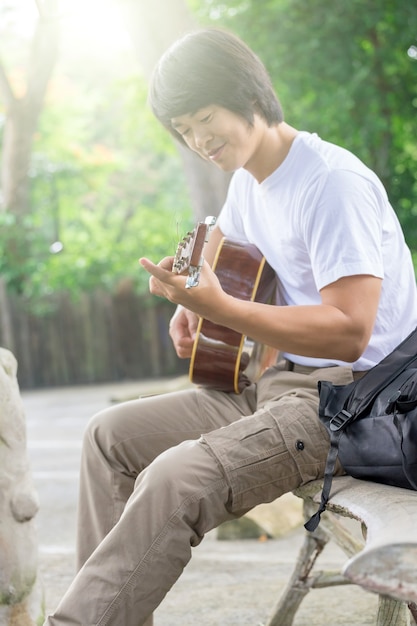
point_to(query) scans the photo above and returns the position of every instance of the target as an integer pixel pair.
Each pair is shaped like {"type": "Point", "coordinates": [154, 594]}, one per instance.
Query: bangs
{"type": "Point", "coordinates": [211, 67]}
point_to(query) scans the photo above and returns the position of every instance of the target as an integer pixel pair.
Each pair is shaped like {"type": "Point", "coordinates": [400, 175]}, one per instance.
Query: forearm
{"type": "Point", "coordinates": [320, 331]}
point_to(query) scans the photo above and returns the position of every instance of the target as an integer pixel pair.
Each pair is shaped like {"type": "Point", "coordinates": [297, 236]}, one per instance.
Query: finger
{"type": "Point", "coordinates": [155, 287]}
{"type": "Point", "coordinates": [165, 264]}
{"type": "Point", "coordinates": [148, 265]}
{"type": "Point", "coordinates": [155, 270]}
{"type": "Point", "coordinates": [184, 348]}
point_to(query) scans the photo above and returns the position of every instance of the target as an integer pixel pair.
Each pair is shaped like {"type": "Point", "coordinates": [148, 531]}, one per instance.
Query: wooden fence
{"type": "Point", "coordinates": [99, 338]}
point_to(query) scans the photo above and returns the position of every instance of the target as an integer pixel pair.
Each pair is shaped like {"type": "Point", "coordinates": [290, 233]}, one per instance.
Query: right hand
{"type": "Point", "coordinates": [182, 330]}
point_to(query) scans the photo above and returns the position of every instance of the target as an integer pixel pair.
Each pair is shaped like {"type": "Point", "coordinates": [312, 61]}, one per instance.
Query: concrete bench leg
{"type": "Point", "coordinates": [297, 587]}
{"type": "Point", "coordinates": [390, 611]}
{"type": "Point", "coordinates": [302, 579]}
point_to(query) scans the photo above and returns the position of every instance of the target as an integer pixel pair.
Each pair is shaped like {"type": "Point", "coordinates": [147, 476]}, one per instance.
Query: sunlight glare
{"type": "Point", "coordinates": [94, 24]}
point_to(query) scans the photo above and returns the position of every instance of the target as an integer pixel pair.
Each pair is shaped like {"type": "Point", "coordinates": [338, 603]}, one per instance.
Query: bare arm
{"type": "Point", "coordinates": [338, 328]}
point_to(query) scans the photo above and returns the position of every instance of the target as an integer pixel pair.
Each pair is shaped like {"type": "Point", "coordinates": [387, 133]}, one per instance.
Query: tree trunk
{"type": "Point", "coordinates": [22, 114]}
{"type": "Point", "coordinates": [21, 119]}
{"type": "Point", "coordinates": [151, 36]}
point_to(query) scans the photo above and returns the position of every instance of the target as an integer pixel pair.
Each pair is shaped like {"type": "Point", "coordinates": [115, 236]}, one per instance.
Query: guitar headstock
{"type": "Point", "coordinates": [189, 254]}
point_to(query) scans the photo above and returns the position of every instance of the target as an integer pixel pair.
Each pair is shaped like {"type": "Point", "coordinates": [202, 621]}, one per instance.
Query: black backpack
{"type": "Point", "coordinates": [372, 423]}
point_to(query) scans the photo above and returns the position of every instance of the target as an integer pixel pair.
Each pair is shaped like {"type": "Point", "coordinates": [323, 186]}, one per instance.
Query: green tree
{"type": "Point", "coordinates": [346, 70]}
{"type": "Point", "coordinates": [106, 189]}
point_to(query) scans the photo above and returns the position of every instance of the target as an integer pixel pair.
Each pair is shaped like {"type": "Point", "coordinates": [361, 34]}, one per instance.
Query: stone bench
{"type": "Point", "coordinates": [383, 562]}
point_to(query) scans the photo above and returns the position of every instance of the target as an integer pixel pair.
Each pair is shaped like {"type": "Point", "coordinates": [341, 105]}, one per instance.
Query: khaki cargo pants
{"type": "Point", "coordinates": [160, 472]}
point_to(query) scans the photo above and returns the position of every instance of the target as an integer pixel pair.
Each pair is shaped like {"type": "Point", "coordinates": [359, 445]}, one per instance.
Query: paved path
{"type": "Point", "coordinates": [228, 583]}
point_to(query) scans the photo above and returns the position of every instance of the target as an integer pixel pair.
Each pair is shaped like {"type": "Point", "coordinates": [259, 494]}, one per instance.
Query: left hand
{"type": "Point", "coordinates": [203, 299]}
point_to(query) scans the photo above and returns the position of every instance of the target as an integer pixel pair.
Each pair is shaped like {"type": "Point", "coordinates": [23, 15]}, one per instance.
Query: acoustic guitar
{"type": "Point", "coordinates": [222, 358]}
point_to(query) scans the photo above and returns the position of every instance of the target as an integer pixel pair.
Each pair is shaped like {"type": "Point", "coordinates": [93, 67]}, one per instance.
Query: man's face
{"type": "Point", "coordinates": [220, 136]}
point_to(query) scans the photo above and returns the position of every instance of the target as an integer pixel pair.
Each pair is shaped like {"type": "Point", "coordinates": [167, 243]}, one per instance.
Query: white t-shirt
{"type": "Point", "coordinates": [320, 216]}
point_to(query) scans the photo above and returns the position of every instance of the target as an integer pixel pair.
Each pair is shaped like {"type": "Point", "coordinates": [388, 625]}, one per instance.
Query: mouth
{"type": "Point", "coordinates": [215, 154]}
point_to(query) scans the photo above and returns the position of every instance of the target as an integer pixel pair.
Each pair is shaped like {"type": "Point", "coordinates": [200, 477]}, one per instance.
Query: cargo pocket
{"type": "Point", "coordinates": [255, 460]}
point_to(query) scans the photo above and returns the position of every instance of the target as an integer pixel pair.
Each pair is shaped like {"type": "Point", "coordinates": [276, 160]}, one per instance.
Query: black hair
{"type": "Point", "coordinates": [212, 66]}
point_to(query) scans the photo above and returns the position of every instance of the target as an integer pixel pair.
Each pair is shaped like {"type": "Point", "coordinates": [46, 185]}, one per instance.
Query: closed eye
{"type": "Point", "coordinates": [206, 119]}
{"type": "Point", "coordinates": [182, 131]}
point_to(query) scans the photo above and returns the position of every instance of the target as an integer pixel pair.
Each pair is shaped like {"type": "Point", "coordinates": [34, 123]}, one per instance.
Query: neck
{"type": "Point", "coordinates": [273, 147]}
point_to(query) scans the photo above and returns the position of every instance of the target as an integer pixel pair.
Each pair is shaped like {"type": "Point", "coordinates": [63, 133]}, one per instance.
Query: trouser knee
{"type": "Point", "coordinates": [187, 479]}
{"type": "Point", "coordinates": [98, 434]}
{"type": "Point", "coordinates": [104, 444]}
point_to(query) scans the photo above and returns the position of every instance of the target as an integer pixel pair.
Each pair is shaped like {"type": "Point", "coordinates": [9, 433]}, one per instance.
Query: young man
{"type": "Point", "coordinates": [158, 473]}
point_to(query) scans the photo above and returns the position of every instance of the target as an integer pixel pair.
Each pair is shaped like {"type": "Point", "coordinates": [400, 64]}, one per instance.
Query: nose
{"type": "Point", "coordinates": [201, 137]}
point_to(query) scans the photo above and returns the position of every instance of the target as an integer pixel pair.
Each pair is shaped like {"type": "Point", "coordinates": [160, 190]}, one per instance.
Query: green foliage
{"type": "Point", "coordinates": [106, 183]}
{"type": "Point", "coordinates": [342, 69]}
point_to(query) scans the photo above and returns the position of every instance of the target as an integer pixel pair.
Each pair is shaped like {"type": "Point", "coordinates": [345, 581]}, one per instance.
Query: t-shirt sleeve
{"type": "Point", "coordinates": [344, 234]}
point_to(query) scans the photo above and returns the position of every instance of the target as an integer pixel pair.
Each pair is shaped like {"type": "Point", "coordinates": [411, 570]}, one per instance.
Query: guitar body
{"type": "Point", "coordinates": [224, 359]}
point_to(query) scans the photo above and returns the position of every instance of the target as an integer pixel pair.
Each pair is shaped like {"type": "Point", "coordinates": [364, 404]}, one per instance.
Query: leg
{"type": "Point", "coordinates": [118, 444]}
{"type": "Point", "coordinates": [180, 496]}
{"type": "Point", "coordinates": [123, 440]}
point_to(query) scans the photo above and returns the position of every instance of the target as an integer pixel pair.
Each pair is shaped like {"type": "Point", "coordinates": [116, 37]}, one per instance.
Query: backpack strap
{"type": "Point", "coordinates": [398, 426]}
{"type": "Point", "coordinates": [379, 376]}
{"type": "Point", "coordinates": [337, 426]}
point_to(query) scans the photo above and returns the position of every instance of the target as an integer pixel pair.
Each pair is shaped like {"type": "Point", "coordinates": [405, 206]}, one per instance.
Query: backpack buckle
{"type": "Point", "coordinates": [340, 420]}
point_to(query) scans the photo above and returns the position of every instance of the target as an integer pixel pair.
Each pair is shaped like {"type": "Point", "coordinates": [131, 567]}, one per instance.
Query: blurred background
{"type": "Point", "coordinates": [90, 181]}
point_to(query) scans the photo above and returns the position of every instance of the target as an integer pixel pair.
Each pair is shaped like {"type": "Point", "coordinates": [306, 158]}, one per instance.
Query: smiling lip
{"type": "Point", "coordinates": [215, 154]}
